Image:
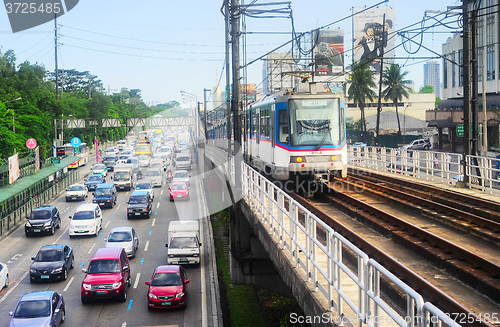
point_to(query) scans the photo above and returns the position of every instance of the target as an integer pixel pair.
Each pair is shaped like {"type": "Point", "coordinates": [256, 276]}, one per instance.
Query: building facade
{"type": "Point", "coordinates": [431, 76]}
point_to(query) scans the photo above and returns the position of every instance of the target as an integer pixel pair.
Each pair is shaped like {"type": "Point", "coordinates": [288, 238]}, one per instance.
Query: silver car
{"type": "Point", "coordinates": [155, 176]}
{"type": "Point", "coordinates": [181, 175]}
{"type": "Point", "coordinates": [144, 161]}
{"type": "Point", "coordinates": [123, 237]}
{"type": "Point", "coordinates": [145, 184]}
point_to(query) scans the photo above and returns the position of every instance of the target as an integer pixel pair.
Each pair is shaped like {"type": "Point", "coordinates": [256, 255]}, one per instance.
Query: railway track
{"type": "Point", "coordinates": [481, 221]}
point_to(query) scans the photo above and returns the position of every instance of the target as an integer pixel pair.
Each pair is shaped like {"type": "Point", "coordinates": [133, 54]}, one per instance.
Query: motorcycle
{"type": "Point", "coordinates": [169, 176]}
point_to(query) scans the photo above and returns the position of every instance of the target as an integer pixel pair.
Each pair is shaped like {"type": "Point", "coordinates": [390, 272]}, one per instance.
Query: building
{"type": "Point", "coordinates": [274, 76]}
{"type": "Point", "coordinates": [431, 76]}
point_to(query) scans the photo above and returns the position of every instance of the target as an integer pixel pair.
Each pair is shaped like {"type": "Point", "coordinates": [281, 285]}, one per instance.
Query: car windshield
{"type": "Point", "coordinates": [76, 188]}
{"type": "Point", "coordinates": [183, 242]}
{"type": "Point", "coordinates": [183, 159]}
{"type": "Point", "coordinates": [156, 165]}
{"type": "Point", "coordinates": [99, 167]}
{"type": "Point", "coordinates": [32, 309]}
{"type": "Point", "coordinates": [120, 237]}
{"type": "Point", "coordinates": [180, 175]}
{"type": "Point", "coordinates": [138, 199]}
{"type": "Point", "coordinates": [40, 214]}
{"type": "Point", "coordinates": [153, 173]}
{"type": "Point", "coordinates": [167, 279]}
{"type": "Point", "coordinates": [50, 255]}
{"type": "Point", "coordinates": [179, 187]}
{"type": "Point", "coordinates": [83, 215]}
{"type": "Point", "coordinates": [94, 178]}
{"type": "Point", "coordinates": [109, 159]}
{"type": "Point", "coordinates": [103, 192]}
{"type": "Point", "coordinates": [132, 160]}
{"type": "Point", "coordinates": [143, 158]}
{"type": "Point", "coordinates": [143, 186]}
{"type": "Point", "coordinates": [104, 267]}
{"type": "Point", "coordinates": [122, 176]}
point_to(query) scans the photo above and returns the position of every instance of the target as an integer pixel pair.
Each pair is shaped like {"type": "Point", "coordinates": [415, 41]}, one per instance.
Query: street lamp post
{"type": "Point", "coordinates": [196, 101]}
{"type": "Point", "coordinates": [404, 121]}
{"type": "Point", "coordinates": [205, 108]}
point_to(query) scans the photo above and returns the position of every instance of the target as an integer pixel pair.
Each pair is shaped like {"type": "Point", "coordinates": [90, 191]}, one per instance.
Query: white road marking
{"type": "Point", "coordinates": [161, 192]}
{"type": "Point", "coordinates": [153, 223]}
{"type": "Point", "coordinates": [158, 205]}
{"type": "Point", "coordinates": [107, 223]}
{"type": "Point", "coordinates": [137, 280]}
{"type": "Point", "coordinates": [204, 318]}
{"type": "Point", "coordinates": [146, 247]}
{"type": "Point", "coordinates": [14, 287]}
{"type": "Point", "coordinates": [118, 206]}
{"type": "Point", "coordinates": [124, 324]}
{"type": "Point", "coordinates": [92, 247]}
{"type": "Point", "coordinates": [14, 258]}
{"type": "Point", "coordinates": [69, 283]}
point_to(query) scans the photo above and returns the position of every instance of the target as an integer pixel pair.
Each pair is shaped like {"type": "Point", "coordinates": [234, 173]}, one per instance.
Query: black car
{"type": "Point", "coordinates": [94, 180]}
{"type": "Point", "coordinates": [52, 263]}
{"type": "Point", "coordinates": [139, 205]}
{"type": "Point", "coordinates": [43, 220]}
{"type": "Point", "coordinates": [110, 161]}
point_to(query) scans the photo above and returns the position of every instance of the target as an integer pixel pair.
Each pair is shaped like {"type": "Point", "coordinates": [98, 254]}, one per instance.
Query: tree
{"type": "Point", "coordinates": [396, 87]}
{"type": "Point", "coordinates": [426, 89]}
{"type": "Point", "coordinates": [361, 87]}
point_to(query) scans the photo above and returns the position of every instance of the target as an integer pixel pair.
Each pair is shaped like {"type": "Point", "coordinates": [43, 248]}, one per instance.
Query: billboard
{"type": "Point", "coordinates": [13, 168]}
{"type": "Point", "coordinates": [37, 159]}
{"type": "Point", "coordinates": [371, 36]}
{"type": "Point", "coordinates": [248, 91]}
{"type": "Point", "coordinates": [328, 52]}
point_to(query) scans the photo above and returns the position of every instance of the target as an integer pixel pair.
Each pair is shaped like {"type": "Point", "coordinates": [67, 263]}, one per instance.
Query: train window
{"type": "Point", "coordinates": [255, 126]}
{"type": "Point", "coordinates": [265, 131]}
{"type": "Point", "coordinates": [283, 125]}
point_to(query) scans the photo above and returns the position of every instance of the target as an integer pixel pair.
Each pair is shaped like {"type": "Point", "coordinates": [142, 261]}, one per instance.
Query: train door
{"type": "Point", "coordinates": [256, 132]}
{"type": "Point", "coordinates": [273, 136]}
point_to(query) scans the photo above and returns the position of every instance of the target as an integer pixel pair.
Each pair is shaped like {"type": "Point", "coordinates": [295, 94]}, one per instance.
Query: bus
{"type": "Point", "coordinates": [67, 150]}
{"type": "Point", "coordinates": [143, 147]}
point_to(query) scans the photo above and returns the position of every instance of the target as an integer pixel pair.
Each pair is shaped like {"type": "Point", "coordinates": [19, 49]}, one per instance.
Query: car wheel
{"type": "Point", "coordinates": [72, 263]}
{"type": "Point", "coordinates": [59, 224]}
{"type": "Point", "coordinates": [85, 300]}
{"type": "Point", "coordinates": [65, 274]}
{"type": "Point", "coordinates": [123, 297]}
{"type": "Point", "coordinates": [53, 230]}
{"type": "Point", "coordinates": [63, 316]}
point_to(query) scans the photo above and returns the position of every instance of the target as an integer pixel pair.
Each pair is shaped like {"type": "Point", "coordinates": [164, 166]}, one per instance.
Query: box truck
{"type": "Point", "coordinates": [183, 242]}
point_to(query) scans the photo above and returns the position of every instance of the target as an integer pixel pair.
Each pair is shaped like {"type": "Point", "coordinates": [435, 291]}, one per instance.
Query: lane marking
{"type": "Point", "coordinates": [160, 197]}
{"type": "Point", "coordinates": [14, 287]}
{"type": "Point", "coordinates": [130, 304]}
{"type": "Point", "coordinates": [69, 283]}
{"type": "Point", "coordinates": [107, 223]}
{"type": "Point", "coordinates": [124, 324]}
{"type": "Point", "coordinates": [146, 247]}
{"type": "Point", "coordinates": [153, 223]}
{"type": "Point", "coordinates": [142, 261]}
{"type": "Point", "coordinates": [150, 232]}
{"type": "Point", "coordinates": [100, 234]}
{"type": "Point", "coordinates": [118, 206]}
{"type": "Point", "coordinates": [14, 258]}
{"type": "Point", "coordinates": [113, 214]}
{"type": "Point", "coordinates": [91, 248]}
{"type": "Point", "coordinates": [158, 205]}
{"type": "Point", "coordinates": [156, 212]}
{"type": "Point", "coordinates": [137, 280]}
{"type": "Point", "coordinates": [81, 265]}
{"type": "Point", "coordinates": [123, 199]}
{"type": "Point", "coordinates": [161, 191]}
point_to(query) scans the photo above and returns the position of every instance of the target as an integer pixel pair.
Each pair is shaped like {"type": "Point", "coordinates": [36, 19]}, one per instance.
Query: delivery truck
{"type": "Point", "coordinates": [183, 242]}
{"type": "Point", "coordinates": [124, 177]}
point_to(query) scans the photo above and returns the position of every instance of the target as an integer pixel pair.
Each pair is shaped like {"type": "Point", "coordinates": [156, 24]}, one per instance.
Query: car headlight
{"type": "Point", "coordinates": [152, 296]}
{"type": "Point", "coordinates": [58, 270]}
{"type": "Point", "coordinates": [33, 271]}
{"type": "Point", "coordinates": [28, 224]}
{"type": "Point", "coordinates": [116, 285]}
{"type": "Point", "coordinates": [179, 295]}
{"type": "Point", "coordinates": [129, 249]}
{"type": "Point", "coordinates": [47, 224]}
{"type": "Point", "coordinates": [86, 287]}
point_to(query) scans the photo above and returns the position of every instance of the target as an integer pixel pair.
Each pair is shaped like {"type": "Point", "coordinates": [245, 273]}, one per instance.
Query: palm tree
{"type": "Point", "coordinates": [361, 88]}
{"type": "Point", "coordinates": [396, 87]}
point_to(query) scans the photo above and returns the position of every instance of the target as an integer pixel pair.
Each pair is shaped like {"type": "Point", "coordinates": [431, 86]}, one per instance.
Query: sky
{"type": "Point", "coordinates": [165, 47]}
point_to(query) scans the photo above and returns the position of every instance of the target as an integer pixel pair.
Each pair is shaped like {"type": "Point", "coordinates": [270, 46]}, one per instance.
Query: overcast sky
{"type": "Point", "coordinates": [163, 47]}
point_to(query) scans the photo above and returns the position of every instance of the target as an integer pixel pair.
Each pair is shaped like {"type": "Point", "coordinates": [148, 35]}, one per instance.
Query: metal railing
{"type": "Point", "coordinates": [19, 214]}
{"type": "Point", "coordinates": [317, 250]}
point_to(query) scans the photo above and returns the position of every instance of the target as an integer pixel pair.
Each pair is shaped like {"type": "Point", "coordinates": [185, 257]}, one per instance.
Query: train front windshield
{"type": "Point", "coordinates": [315, 122]}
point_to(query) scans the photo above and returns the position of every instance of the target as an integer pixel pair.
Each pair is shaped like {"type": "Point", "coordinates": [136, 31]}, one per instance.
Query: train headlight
{"type": "Point", "coordinates": [334, 158]}
{"type": "Point", "coordinates": [297, 159]}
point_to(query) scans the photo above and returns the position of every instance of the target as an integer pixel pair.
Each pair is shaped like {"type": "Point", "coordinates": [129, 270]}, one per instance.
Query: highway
{"type": "Point", "coordinates": [17, 250]}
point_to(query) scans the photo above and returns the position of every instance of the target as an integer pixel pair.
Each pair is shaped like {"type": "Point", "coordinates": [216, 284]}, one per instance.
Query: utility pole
{"type": "Point", "coordinates": [466, 78]}
{"type": "Point", "coordinates": [55, 53]}
{"type": "Point", "coordinates": [228, 78]}
{"type": "Point", "coordinates": [379, 105]}
{"type": "Point", "coordinates": [205, 109]}
{"type": "Point", "coordinates": [235, 100]}
{"type": "Point", "coordinates": [474, 83]}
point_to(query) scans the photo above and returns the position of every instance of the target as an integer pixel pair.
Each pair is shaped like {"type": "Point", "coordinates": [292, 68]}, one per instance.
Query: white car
{"type": "Point", "coordinates": [128, 152]}
{"type": "Point", "coordinates": [4, 276]}
{"type": "Point", "coordinates": [111, 151]}
{"type": "Point", "coordinates": [181, 175]}
{"type": "Point", "coordinates": [144, 161]}
{"type": "Point", "coordinates": [76, 192]}
{"type": "Point", "coordinates": [100, 169]}
{"type": "Point", "coordinates": [87, 220]}
{"type": "Point", "coordinates": [145, 185]}
{"type": "Point", "coordinates": [155, 176]}
{"type": "Point", "coordinates": [123, 237]}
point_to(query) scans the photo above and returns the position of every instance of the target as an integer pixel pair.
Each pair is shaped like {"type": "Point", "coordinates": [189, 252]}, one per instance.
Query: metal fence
{"type": "Point", "coordinates": [20, 212]}
{"type": "Point", "coordinates": [317, 250]}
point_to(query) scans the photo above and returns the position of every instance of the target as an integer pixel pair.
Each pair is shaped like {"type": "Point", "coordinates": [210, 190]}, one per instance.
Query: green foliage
{"type": "Point", "coordinates": [438, 100]}
{"type": "Point", "coordinates": [426, 89]}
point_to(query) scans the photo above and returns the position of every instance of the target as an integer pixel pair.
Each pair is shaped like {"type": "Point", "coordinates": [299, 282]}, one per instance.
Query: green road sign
{"type": "Point", "coordinates": [77, 150]}
{"type": "Point", "coordinates": [460, 130]}
{"type": "Point", "coordinates": [55, 160]}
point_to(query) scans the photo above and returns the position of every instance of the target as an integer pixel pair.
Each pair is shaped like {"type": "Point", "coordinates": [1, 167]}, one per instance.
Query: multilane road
{"type": "Point", "coordinates": [16, 250]}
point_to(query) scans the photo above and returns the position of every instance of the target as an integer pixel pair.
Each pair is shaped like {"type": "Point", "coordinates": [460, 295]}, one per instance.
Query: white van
{"type": "Point", "coordinates": [183, 162]}
{"type": "Point", "coordinates": [87, 220]}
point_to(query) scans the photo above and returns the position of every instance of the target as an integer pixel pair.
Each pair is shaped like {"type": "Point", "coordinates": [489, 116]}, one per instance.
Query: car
{"type": "Point", "coordinates": [135, 164]}
{"type": "Point", "coordinates": [99, 169]}
{"type": "Point", "coordinates": [145, 185]}
{"type": "Point", "coordinates": [155, 175]}
{"type": "Point", "coordinates": [41, 308]}
{"type": "Point", "coordinates": [158, 162]}
{"type": "Point", "coordinates": [52, 263]}
{"type": "Point", "coordinates": [43, 220]}
{"type": "Point", "coordinates": [76, 192]}
{"type": "Point", "coordinates": [128, 152]}
{"type": "Point", "coordinates": [123, 237]}
{"type": "Point", "coordinates": [179, 191]}
{"type": "Point", "coordinates": [139, 205]}
{"type": "Point", "coordinates": [107, 276]}
{"type": "Point", "coordinates": [4, 276]}
{"type": "Point", "coordinates": [105, 195]}
{"type": "Point", "coordinates": [121, 144]}
{"type": "Point", "coordinates": [111, 151]}
{"type": "Point", "coordinates": [181, 175]}
{"type": "Point", "coordinates": [168, 287]}
{"type": "Point", "coordinates": [143, 161]}
{"type": "Point", "coordinates": [110, 161]}
{"type": "Point", "coordinates": [420, 144]}
{"type": "Point", "coordinates": [183, 161]}
{"type": "Point", "coordinates": [93, 181]}
{"type": "Point", "coordinates": [87, 220]}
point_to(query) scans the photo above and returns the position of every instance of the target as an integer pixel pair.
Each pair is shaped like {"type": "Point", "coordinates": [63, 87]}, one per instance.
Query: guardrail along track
{"type": "Point", "coordinates": [424, 287]}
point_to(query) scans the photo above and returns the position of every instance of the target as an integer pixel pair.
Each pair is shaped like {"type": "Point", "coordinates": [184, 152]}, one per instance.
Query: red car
{"type": "Point", "coordinates": [168, 287]}
{"type": "Point", "coordinates": [179, 191]}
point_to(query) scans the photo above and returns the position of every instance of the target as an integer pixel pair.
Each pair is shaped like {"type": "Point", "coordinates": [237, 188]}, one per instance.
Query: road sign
{"type": "Point", "coordinates": [460, 130]}
{"type": "Point", "coordinates": [76, 142]}
{"type": "Point", "coordinates": [55, 160]}
{"type": "Point", "coordinates": [31, 143]}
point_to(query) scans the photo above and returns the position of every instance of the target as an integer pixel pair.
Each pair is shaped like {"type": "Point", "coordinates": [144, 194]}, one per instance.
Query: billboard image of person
{"type": "Point", "coordinates": [372, 36]}
{"type": "Point", "coordinates": [329, 52]}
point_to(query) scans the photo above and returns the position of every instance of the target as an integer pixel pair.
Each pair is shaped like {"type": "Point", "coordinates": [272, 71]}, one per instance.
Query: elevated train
{"type": "Point", "coordinates": [291, 136]}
